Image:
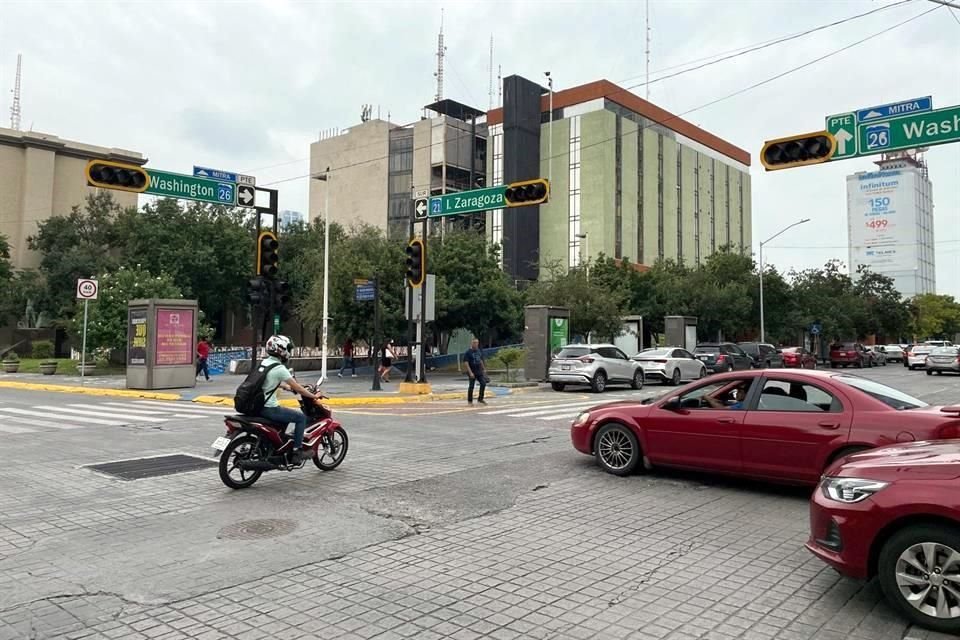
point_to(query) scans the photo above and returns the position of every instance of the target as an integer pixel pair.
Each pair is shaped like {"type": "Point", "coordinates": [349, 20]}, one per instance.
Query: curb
{"type": "Point", "coordinates": [89, 391]}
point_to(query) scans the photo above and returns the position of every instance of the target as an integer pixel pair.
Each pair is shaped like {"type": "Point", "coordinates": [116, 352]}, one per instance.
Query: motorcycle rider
{"type": "Point", "coordinates": [278, 351]}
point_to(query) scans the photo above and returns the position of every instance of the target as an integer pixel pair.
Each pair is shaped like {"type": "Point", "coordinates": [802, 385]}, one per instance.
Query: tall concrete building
{"type": "Point", "coordinates": [376, 166]}
{"type": "Point", "coordinates": [890, 222]}
{"type": "Point", "coordinates": [42, 175]}
{"type": "Point", "coordinates": [628, 179]}
{"type": "Point", "coordinates": [289, 218]}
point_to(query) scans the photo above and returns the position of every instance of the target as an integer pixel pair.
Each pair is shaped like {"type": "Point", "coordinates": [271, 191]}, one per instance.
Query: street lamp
{"type": "Point", "coordinates": [586, 250]}
{"type": "Point", "coordinates": [785, 229]}
{"type": "Point", "coordinates": [325, 178]}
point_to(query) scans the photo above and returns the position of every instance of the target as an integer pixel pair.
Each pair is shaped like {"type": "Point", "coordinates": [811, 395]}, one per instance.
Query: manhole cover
{"type": "Point", "coordinates": [138, 468]}
{"type": "Point", "coordinates": [257, 529]}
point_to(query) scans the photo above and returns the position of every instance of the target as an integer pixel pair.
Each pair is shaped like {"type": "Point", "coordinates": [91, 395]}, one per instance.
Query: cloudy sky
{"type": "Point", "coordinates": [247, 86]}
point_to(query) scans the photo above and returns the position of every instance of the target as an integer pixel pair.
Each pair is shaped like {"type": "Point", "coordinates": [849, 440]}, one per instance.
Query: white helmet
{"type": "Point", "coordinates": [279, 347]}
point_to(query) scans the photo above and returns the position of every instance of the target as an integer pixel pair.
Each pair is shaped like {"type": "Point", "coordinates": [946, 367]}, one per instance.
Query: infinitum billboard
{"type": "Point", "coordinates": [882, 219]}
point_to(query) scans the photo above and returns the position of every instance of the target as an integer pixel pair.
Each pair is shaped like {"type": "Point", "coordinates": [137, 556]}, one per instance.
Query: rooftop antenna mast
{"type": "Point", "coordinates": [499, 85]}
{"type": "Point", "coordinates": [648, 50]}
{"type": "Point", "coordinates": [490, 75]}
{"type": "Point", "coordinates": [15, 108]}
{"type": "Point", "coordinates": [440, 54]}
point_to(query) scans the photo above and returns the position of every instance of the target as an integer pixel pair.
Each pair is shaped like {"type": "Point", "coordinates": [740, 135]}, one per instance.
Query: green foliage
{"type": "Point", "coordinates": [508, 358]}
{"type": "Point", "coordinates": [107, 322]}
{"type": "Point", "coordinates": [594, 311]}
{"type": "Point", "coordinates": [11, 356]}
{"type": "Point", "coordinates": [935, 316]}
{"type": "Point", "coordinates": [42, 350]}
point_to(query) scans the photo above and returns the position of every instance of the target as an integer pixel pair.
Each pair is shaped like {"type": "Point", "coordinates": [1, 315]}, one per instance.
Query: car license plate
{"type": "Point", "coordinates": [565, 367]}
{"type": "Point", "coordinates": [220, 443]}
{"type": "Point", "coordinates": [704, 357]}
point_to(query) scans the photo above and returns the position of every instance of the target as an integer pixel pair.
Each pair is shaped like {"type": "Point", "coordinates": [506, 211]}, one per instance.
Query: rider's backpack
{"type": "Point", "coordinates": [250, 397]}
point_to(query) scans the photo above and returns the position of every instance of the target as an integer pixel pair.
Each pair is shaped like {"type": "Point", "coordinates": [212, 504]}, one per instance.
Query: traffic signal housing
{"type": "Point", "coordinates": [798, 151]}
{"type": "Point", "coordinates": [527, 193]}
{"type": "Point", "coordinates": [107, 174]}
{"type": "Point", "coordinates": [281, 296]}
{"type": "Point", "coordinates": [268, 256]}
{"type": "Point", "coordinates": [416, 262]}
{"type": "Point", "coordinates": [258, 292]}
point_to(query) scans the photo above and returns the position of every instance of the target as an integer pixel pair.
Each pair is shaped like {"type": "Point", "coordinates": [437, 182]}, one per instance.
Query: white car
{"type": "Point", "coordinates": [894, 352]}
{"type": "Point", "coordinates": [670, 365]}
{"type": "Point", "coordinates": [917, 357]}
{"type": "Point", "coordinates": [594, 365]}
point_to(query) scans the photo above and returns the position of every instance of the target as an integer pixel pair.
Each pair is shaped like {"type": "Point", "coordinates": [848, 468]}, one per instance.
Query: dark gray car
{"type": "Point", "coordinates": [764, 355]}
{"type": "Point", "coordinates": [722, 356]}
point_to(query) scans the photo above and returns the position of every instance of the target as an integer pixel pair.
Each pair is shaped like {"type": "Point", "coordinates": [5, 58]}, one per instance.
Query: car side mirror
{"type": "Point", "coordinates": [673, 404]}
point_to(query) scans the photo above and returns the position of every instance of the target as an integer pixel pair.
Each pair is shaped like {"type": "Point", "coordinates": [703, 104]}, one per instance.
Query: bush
{"type": "Point", "coordinates": [11, 356]}
{"type": "Point", "coordinates": [42, 350]}
{"type": "Point", "coordinates": [508, 358]}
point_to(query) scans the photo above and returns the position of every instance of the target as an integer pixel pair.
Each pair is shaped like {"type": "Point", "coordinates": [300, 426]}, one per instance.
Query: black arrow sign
{"type": "Point", "coordinates": [420, 208]}
{"type": "Point", "coordinates": [245, 195]}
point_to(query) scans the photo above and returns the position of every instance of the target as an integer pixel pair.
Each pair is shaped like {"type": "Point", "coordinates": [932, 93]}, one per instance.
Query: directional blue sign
{"type": "Point", "coordinates": [904, 108]}
{"type": "Point", "coordinates": [364, 292]}
{"type": "Point", "coordinates": [214, 174]}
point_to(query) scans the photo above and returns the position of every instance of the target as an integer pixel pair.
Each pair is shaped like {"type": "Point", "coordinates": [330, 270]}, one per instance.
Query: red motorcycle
{"type": "Point", "coordinates": [254, 445]}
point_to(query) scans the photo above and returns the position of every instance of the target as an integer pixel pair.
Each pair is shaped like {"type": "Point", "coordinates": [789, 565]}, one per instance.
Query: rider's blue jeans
{"type": "Point", "coordinates": [284, 415]}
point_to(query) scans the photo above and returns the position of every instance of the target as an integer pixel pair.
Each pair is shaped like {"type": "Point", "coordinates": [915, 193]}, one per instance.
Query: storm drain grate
{"type": "Point", "coordinates": [257, 529]}
{"type": "Point", "coordinates": [139, 468]}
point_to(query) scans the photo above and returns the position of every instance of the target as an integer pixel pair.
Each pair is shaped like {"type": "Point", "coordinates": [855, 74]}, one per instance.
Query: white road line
{"type": "Point", "coordinates": [116, 419]}
{"type": "Point", "coordinates": [46, 414]}
{"type": "Point", "coordinates": [181, 412]}
{"type": "Point", "coordinates": [109, 412]}
{"type": "Point", "coordinates": [556, 409]}
{"type": "Point", "coordinates": [187, 407]}
{"type": "Point", "coordinates": [11, 429]}
{"type": "Point", "coordinates": [122, 405]}
{"type": "Point", "coordinates": [553, 405]}
{"type": "Point", "coordinates": [562, 416]}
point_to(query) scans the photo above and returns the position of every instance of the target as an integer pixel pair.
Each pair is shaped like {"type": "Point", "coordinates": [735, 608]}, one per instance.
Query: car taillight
{"type": "Point", "coordinates": [665, 362]}
{"type": "Point", "coordinates": [721, 358]}
{"type": "Point", "coordinates": [586, 359]}
{"type": "Point", "coordinates": [949, 432]}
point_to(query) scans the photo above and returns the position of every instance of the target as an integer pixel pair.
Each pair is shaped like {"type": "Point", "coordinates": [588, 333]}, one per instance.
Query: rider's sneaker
{"type": "Point", "coordinates": [297, 456]}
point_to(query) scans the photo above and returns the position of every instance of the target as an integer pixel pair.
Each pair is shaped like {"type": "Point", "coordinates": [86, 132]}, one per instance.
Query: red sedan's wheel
{"type": "Point", "coordinates": [617, 450]}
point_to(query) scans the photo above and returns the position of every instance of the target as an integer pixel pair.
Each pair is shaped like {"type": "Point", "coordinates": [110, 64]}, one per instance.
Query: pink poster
{"type": "Point", "coordinates": [174, 337]}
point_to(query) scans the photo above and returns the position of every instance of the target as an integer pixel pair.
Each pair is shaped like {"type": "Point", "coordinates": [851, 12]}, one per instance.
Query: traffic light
{"type": "Point", "coordinates": [416, 262]}
{"type": "Point", "coordinates": [798, 151]}
{"type": "Point", "coordinates": [258, 292]}
{"type": "Point", "coordinates": [529, 192]}
{"type": "Point", "coordinates": [281, 296]}
{"type": "Point", "coordinates": [107, 174]}
{"type": "Point", "coordinates": [268, 256]}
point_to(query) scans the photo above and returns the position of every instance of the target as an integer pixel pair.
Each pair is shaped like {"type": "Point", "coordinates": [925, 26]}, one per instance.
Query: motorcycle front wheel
{"type": "Point", "coordinates": [332, 450]}
{"type": "Point", "coordinates": [240, 448]}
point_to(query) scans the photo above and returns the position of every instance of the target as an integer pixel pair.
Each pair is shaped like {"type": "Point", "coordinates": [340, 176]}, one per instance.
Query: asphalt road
{"type": "Point", "coordinates": [443, 521]}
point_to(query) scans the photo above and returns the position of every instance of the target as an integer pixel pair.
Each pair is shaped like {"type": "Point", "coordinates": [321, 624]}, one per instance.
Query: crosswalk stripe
{"type": "Point", "coordinates": [559, 416]}
{"type": "Point", "coordinates": [46, 414]}
{"type": "Point", "coordinates": [123, 405]}
{"type": "Point", "coordinates": [11, 429]}
{"type": "Point", "coordinates": [185, 412]}
{"type": "Point", "coordinates": [109, 412]}
{"type": "Point", "coordinates": [115, 419]}
{"type": "Point", "coordinates": [187, 407]}
{"type": "Point", "coordinates": [554, 409]}
{"type": "Point", "coordinates": [554, 405]}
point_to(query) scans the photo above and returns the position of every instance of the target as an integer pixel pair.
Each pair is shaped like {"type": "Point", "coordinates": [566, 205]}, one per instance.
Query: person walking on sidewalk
{"type": "Point", "coordinates": [347, 360]}
{"type": "Point", "coordinates": [386, 363]}
{"type": "Point", "coordinates": [477, 371]}
{"type": "Point", "coordinates": [203, 352]}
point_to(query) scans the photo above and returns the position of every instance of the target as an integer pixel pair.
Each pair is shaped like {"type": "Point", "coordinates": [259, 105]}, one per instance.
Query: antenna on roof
{"type": "Point", "coordinates": [648, 50]}
{"type": "Point", "coordinates": [15, 108]}
{"type": "Point", "coordinates": [490, 75]}
{"type": "Point", "coordinates": [441, 50]}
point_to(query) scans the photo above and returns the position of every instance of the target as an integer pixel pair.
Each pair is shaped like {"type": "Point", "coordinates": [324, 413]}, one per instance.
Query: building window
{"type": "Point", "coordinates": [726, 198]}
{"type": "Point", "coordinates": [660, 196]}
{"type": "Point", "coordinates": [496, 215]}
{"type": "Point", "coordinates": [696, 211]}
{"type": "Point", "coordinates": [713, 205]}
{"type": "Point", "coordinates": [743, 240]}
{"type": "Point", "coordinates": [640, 254]}
{"type": "Point", "coordinates": [679, 204]}
{"type": "Point", "coordinates": [574, 256]}
{"type": "Point", "coordinates": [618, 191]}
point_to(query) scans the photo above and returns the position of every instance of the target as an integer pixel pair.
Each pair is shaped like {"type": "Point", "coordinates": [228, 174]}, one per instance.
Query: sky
{"type": "Point", "coordinates": [247, 86]}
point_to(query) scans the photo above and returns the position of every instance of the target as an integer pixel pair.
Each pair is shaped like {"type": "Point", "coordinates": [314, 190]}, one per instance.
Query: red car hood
{"type": "Point", "coordinates": [909, 461]}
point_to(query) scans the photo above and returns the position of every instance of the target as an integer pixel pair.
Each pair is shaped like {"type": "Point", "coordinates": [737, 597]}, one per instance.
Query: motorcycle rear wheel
{"type": "Point", "coordinates": [327, 461]}
{"type": "Point", "coordinates": [240, 448]}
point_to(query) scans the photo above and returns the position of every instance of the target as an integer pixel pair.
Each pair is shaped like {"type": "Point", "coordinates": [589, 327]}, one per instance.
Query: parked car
{"type": "Point", "coordinates": [845, 354]}
{"type": "Point", "coordinates": [938, 343]}
{"type": "Point", "coordinates": [595, 365]}
{"type": "Point", "coordinates": [943, 359]}
{"type": "Point", "coordinates": [670, 365]}
{"type": "Point", "coordinates": [722, 356]}
{"type": "Point", "coordinates": [878, 355]}
{"type": "Point", "coordinates": [894, 352]}
{"type": "Point", "coordinates": [894, 513]}
{"type": "Point", "coordinates": [798, 358]}
{"type": "Point", "coordinates": [917, 357]}
{"type": "Point", "coordinates": [763, 355]}
{"type": "Point", "coordinates": [778, 425]}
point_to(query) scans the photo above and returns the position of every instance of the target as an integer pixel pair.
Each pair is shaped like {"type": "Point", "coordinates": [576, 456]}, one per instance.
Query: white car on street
{"type": "Point", "coordinates": [917, 357]}
{"type": "Point", "coordinates": [670, 365]}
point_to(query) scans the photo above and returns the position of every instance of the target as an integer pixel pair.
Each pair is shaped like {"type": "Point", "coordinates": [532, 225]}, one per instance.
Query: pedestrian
{"type": "Point", "coordinates": [477, 371]}
{"type": "Point", "coordinates": [347, 359]}
{"type": "Point", "coordinates": [203, 352]}
{"type": "Point", "coordinates": [386, 363]}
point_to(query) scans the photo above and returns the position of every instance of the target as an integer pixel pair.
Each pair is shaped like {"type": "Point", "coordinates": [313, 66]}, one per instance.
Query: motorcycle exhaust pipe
{"type": "Point", "coordinates": [256, 465]}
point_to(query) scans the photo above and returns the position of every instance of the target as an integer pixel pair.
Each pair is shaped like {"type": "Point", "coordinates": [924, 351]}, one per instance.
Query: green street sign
{"type": "Point", "coordinates": [843, 126]}
{"type": "Point", "coordinates": [184, 187]}
{"type": "Point", "coordinates": [927, 129]}
{"type": "Point", "coordinates": [453, 204]}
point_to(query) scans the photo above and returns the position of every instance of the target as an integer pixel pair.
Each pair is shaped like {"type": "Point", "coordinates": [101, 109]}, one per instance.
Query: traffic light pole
{"type": "Point", "coordinates": [411, 331]}
{"type": "Point", "coordinates": [423, 310]}
{"type": "Point", "coordinates": [377, 339]}
{"type": "Point", "coordinates": [253, 308]}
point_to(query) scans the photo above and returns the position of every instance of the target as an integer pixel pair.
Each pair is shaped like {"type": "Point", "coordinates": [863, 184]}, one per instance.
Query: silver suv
{"type": "Point", "coordinates": [595, 365]}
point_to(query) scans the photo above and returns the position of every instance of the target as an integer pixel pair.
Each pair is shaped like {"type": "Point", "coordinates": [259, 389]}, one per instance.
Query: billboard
{"type": "Point", "coordinates": [136, 337]}
{"type": "Point", "coordinates": [175, 340]}
{"type": "Point", "coordinates": [882, 221]}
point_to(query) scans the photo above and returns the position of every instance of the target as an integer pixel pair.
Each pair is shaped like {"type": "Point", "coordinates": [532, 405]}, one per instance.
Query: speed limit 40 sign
{"type": "Point", "coordinates": [86, 289]}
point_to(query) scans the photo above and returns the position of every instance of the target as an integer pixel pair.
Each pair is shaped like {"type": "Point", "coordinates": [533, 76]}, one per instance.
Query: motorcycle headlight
{"type": "Point", "coordinates": [850, 490]}
{"type": "Point", "coordinates": [581, 419]}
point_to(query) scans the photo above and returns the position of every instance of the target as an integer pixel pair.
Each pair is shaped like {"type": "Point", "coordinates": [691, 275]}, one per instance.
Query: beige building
{"type": "Point", "coordinates": [376, 165]}
{"type": "Point", "coordinates": [42, 175]}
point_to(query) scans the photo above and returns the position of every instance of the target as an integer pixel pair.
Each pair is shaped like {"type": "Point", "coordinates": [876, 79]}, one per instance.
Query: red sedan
{"type": "Point", "coordinates": [894, 513]}
{"type": "Point", "coordinates": [798, 358]}
{"type": "Point", "coordinates": [779, 425]}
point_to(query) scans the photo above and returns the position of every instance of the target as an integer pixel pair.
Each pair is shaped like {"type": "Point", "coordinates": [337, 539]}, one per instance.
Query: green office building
{"type": "Point", "coordinates": [629, 180]}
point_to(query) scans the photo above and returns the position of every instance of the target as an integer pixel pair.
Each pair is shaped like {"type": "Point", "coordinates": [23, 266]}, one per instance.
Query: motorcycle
{"type": "Point", "coordinates": [253, 445]}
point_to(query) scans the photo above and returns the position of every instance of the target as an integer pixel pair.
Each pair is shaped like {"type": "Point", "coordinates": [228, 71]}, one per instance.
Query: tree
{"type": "Point", "coordinates": [301, 265]}
{"type": "Point", "coordinates": [107, 316]}
{"type": "Point", "coordinates": [593, 311]}
{"type": "Point", "coordinates": [884, 313]}
{"type": "Point", "coordinates": [935, 316]}
{"type": "Point", "coordinates": [825, 295]}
